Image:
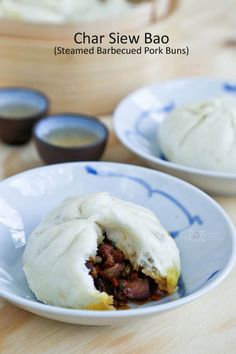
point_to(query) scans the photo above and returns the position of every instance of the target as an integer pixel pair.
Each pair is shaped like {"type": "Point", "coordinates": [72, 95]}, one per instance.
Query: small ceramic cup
{"type": "Point", "coordinates": [20, 108]}
{"type": "Point", "coordinates": [64, 123]}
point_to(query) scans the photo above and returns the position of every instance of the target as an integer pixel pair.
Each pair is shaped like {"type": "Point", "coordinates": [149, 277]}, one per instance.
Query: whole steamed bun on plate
{"type": "Point", "coordinates": [202, 135]}
{"type": "Point", "coordinates": [59, 253]}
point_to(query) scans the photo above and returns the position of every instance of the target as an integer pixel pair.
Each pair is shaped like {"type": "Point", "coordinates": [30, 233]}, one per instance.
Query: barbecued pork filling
{"type": "Point", "coordinates": [115, 275]}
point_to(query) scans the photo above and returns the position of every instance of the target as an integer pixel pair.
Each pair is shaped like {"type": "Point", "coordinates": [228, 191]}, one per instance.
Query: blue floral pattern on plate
{"type": "Point", "coordinates": [192, 219]}
{"type": "Point", "coordinates": [229, 88]}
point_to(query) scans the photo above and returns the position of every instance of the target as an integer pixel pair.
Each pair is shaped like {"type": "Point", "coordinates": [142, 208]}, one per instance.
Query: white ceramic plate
{"type": "Point", "coordinates": [203, 232]}
{"type": "Point", "coordinates": [137, 118]}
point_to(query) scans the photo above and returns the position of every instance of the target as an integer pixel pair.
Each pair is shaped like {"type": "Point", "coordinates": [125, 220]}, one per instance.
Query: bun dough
{"type": "Point", "coordinates": [202, 135]}
{"type": "Point", "coordinates": [56, 252]}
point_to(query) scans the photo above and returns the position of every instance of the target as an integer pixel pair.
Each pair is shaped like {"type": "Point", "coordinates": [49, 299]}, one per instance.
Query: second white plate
{"type": "Point", "coordinates": [137, 118]}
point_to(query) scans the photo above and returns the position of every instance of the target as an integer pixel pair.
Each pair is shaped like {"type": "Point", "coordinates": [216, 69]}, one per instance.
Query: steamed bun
{"type": "Point", "coordinates": [202, 135]}
{"type": "Point", "coordinates": [56, 252]}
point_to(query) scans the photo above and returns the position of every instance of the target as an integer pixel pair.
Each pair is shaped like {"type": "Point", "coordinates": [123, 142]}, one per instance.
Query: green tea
{"type": "Point", "coordinates": [71, 137]}
{"type": "Point", "coordinates": [19, 110]}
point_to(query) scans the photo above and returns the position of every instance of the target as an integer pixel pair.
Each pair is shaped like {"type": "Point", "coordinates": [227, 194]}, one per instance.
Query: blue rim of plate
{"type": "Point", "coordinates": [226, 86]}
{"type": "Point", "coordinates": [75, 313]}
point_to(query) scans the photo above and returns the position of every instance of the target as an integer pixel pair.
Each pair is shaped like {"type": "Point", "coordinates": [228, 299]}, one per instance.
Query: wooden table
{"type": "Point", "coordinates": [207, 325]}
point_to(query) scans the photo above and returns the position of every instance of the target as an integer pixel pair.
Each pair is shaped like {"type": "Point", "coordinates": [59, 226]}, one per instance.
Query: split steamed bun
{"type": "Point", "coordinates": [202, 135]}
{"type": "Point", "coordinates": [56, 252]}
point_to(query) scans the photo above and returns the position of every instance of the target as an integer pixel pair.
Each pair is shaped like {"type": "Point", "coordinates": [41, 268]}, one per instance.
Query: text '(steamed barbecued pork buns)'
{"type": "Point", "coordinates": [133, 249]}
{"type": "Point", "coordinates": [202, 135]}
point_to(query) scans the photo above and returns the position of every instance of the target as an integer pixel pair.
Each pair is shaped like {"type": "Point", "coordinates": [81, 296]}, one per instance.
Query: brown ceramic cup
{"type": "Point", "coordinates": [20, 109]}
{"type": "Point", "coordinates": [53, 153]}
